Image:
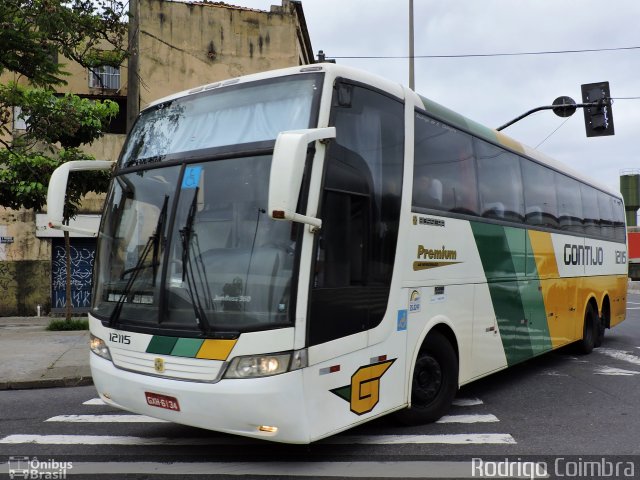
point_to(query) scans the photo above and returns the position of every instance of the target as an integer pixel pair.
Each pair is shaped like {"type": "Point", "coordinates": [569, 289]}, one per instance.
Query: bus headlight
{"type": "Point", "coordinates": [252, 366]}
{"type": "Point", "coordinates": [98, 347]}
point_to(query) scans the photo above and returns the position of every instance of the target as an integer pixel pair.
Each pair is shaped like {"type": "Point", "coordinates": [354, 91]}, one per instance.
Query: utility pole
{"type": "Point", "coordinates": [412, 81]}
{"type": "Point", "coordinates": [133, 74]}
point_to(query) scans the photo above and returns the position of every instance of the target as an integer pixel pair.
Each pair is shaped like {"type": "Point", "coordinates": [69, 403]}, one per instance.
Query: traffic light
{"type": "Point", "coordinates": [598, 119]}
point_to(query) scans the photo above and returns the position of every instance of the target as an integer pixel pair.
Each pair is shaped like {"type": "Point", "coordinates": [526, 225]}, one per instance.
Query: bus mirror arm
{"type": "Point", "coordinates": [287, 168]}
{"type": "Point", "coordinates": [57, 190]}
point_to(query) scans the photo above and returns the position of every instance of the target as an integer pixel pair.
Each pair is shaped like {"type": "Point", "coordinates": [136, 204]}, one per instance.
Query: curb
{"type": "Point", "coordinates": [46, 383]}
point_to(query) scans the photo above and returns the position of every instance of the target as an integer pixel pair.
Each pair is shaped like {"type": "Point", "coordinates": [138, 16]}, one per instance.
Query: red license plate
{"type": "Point", "coordinates": [162, 401]}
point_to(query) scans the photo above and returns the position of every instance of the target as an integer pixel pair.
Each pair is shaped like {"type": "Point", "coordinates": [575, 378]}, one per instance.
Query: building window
{"type": "Point", "coordinates": [19, 121]}
{"type": "Point", "coordinates": [104, 77]}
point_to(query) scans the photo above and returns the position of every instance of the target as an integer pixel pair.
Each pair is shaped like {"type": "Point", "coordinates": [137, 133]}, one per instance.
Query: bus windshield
{"type": "Point", "coordinates": [186, 245]}
{"type": "Point", "coordinates": [233, 115]}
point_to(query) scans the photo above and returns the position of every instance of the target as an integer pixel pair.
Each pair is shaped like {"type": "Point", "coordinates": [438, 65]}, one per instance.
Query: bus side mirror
{"type": "Point", "coordinates": [287, 167]}
{"type": "Point", "coordinates": [57, 190]}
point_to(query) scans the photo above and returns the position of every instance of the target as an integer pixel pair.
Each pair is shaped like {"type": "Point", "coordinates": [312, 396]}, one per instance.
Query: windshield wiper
{"type": "Point", "coordinates": [187, 235]}
{"type": "Point", "coordinates": [152, 243]}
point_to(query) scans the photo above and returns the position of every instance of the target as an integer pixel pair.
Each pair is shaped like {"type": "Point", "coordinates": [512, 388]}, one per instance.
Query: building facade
{"type": "Point", "coordinates": [174, 46]}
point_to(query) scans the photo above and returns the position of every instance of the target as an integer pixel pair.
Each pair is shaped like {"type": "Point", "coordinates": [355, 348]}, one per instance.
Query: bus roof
{"type": "Point", "coordinates": [433, 108]}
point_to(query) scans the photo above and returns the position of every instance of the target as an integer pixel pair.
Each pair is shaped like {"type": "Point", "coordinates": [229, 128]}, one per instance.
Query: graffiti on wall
{"type": "Point", "coordinates": [7, 276]}
{"type": "Point", "coordinates": [83, 253]}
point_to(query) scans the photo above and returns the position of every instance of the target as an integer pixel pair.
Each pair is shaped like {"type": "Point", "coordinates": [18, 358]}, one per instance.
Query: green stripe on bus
{"type": "Point", "coordinates": [161, 345]}
{"type": "Point", "coordinates": [533, 302]}
{"type": "Point", "coordinates": [514, 288]}
{"type": "Point", "coordinates": [459, 121]}
{"type": "Point", "coordinates": [187, 347]}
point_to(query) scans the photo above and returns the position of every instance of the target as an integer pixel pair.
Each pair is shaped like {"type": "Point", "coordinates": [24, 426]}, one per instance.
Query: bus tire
{"type": "Point", "coordinates": [435, 381]}
{"type": "Point", "coordinates": [599, 333]}
{"type": "Point", "coordinates": [589, 331]}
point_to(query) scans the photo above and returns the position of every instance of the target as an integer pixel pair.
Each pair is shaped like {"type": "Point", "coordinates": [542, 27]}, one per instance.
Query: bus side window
{"type": "Point", "coordinates": [444, 175]}
{"type": "Point", "coordinates": [605, 204]}
{"type": "Point", "coordinates": [590, 211]}
{"type": "Point", "coordinates": [569, 203]}
{"type": "Point", "coordinates": [500, 183]}
{"type": "Point", "coordinates": [619, 224]}
{"type": "Point", "coordinates": [541, 204]}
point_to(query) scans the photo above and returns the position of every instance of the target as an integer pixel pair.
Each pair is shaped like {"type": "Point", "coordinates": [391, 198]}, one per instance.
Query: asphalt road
{"type": "Point", "coordinates": [560, 405]}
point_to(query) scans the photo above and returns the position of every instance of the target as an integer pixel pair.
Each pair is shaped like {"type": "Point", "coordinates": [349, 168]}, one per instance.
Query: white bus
{"type": "Point", "coordinates": [289, 254]}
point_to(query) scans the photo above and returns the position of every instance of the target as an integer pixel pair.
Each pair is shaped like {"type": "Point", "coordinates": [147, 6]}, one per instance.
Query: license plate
{"type": "Point", "coordinates": [162, 401]}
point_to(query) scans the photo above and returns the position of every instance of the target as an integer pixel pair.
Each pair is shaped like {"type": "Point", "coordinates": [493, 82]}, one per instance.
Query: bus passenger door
{"type": "Point", "coordinates": [349, 380]}
{"type": "Point", "coordinates": [360, 212]}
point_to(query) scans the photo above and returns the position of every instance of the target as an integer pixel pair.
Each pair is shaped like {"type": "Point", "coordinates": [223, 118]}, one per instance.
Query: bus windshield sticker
{"type": "Point", "coordinates": [191, 177]}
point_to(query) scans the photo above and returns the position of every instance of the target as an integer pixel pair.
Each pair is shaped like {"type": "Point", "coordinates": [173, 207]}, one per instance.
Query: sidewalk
{"type": "Point", "coordinates": [32, 357]}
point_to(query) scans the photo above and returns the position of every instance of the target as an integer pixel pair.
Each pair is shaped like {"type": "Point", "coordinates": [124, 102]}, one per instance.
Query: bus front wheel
{"type": "Point", "coordinates": [434, 383]}
{"type": "Point", "coordinates": [590, 331]}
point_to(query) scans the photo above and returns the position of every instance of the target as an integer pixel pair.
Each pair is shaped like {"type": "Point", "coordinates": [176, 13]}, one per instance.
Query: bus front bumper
{"type": "Point", "coordinates": [269, 408]}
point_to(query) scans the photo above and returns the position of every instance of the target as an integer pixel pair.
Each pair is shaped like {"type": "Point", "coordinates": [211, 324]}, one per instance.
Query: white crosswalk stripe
{"type": "Point", "coordinates": [467, 402]}
{"type": "Point", "coordinates": [619, 355]}
{"type": "Point", "coordinates": [105, 419]}
{"type": "Point", "coordinates": [468, 419]}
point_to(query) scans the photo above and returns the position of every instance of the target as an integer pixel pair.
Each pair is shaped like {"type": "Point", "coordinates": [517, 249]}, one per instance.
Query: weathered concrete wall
{"type": "Point", "coordinates": [186, 45]}
{"type": "Point", "coordinates": [22, 287]}
{"type": "Point", "coordinates": [25, 265]}
{"type": "Point", "coordinates": [106, 148]}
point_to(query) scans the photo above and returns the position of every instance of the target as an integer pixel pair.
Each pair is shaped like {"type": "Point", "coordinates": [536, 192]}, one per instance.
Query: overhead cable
{"type": "Point", "coordinates": [481, 55]}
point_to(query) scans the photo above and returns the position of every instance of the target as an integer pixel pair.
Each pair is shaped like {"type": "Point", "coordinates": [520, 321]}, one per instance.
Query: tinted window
{"type": "Point", "coordinates": [569, 203]}
{"type": "Point", "coordinates": [500, 183]}
{"type": "Point", "coordinates": [590, 210]}
{"type": "Point", "coordinates": [541, 205]}
{"type": "Point", "coordinates": [619, 221]}
{"type": "Point", "coordinates": [360, 211]}
{"type": "Point", "coordinates": [605, 206]}
{"type": "Point", "coordinates": [444, 173]}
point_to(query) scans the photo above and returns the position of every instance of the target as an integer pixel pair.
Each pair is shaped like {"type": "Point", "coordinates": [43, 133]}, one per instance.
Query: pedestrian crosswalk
{"type": "Point", "coordinates": [101, 432]}
{"type": "Point", "coordinates": [462, 415]}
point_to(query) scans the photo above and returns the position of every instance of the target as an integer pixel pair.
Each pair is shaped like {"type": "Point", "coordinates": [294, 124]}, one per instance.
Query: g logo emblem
{"type": "Point", "coordinates": [364, 392]}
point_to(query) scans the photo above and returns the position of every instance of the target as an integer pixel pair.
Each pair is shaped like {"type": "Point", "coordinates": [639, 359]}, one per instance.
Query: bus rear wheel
{"type": "Point", "coordinates": [590, 331]}
{"type": "Point", "coordinates": [435, 382]}
{"type": "Point", "coordinates": [600, 333]}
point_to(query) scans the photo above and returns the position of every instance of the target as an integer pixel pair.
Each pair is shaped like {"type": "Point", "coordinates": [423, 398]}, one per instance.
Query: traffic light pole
{"type": "Point", "coordinates": [559, 107]}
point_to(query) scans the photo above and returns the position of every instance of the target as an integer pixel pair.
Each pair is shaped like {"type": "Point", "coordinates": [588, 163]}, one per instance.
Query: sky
{"type": "Point", "coordinates": [494, 90]}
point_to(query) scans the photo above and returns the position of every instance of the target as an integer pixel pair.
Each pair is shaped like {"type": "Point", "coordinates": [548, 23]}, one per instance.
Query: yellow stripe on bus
{"type": "Point", "coordinates": [556, 291]}
{"type": "Point", "coordinates": [216, 349]}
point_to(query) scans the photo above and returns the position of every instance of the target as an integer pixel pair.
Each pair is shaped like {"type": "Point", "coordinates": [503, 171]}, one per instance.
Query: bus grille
{"type": "Point", "coordinates": [178, 368]}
